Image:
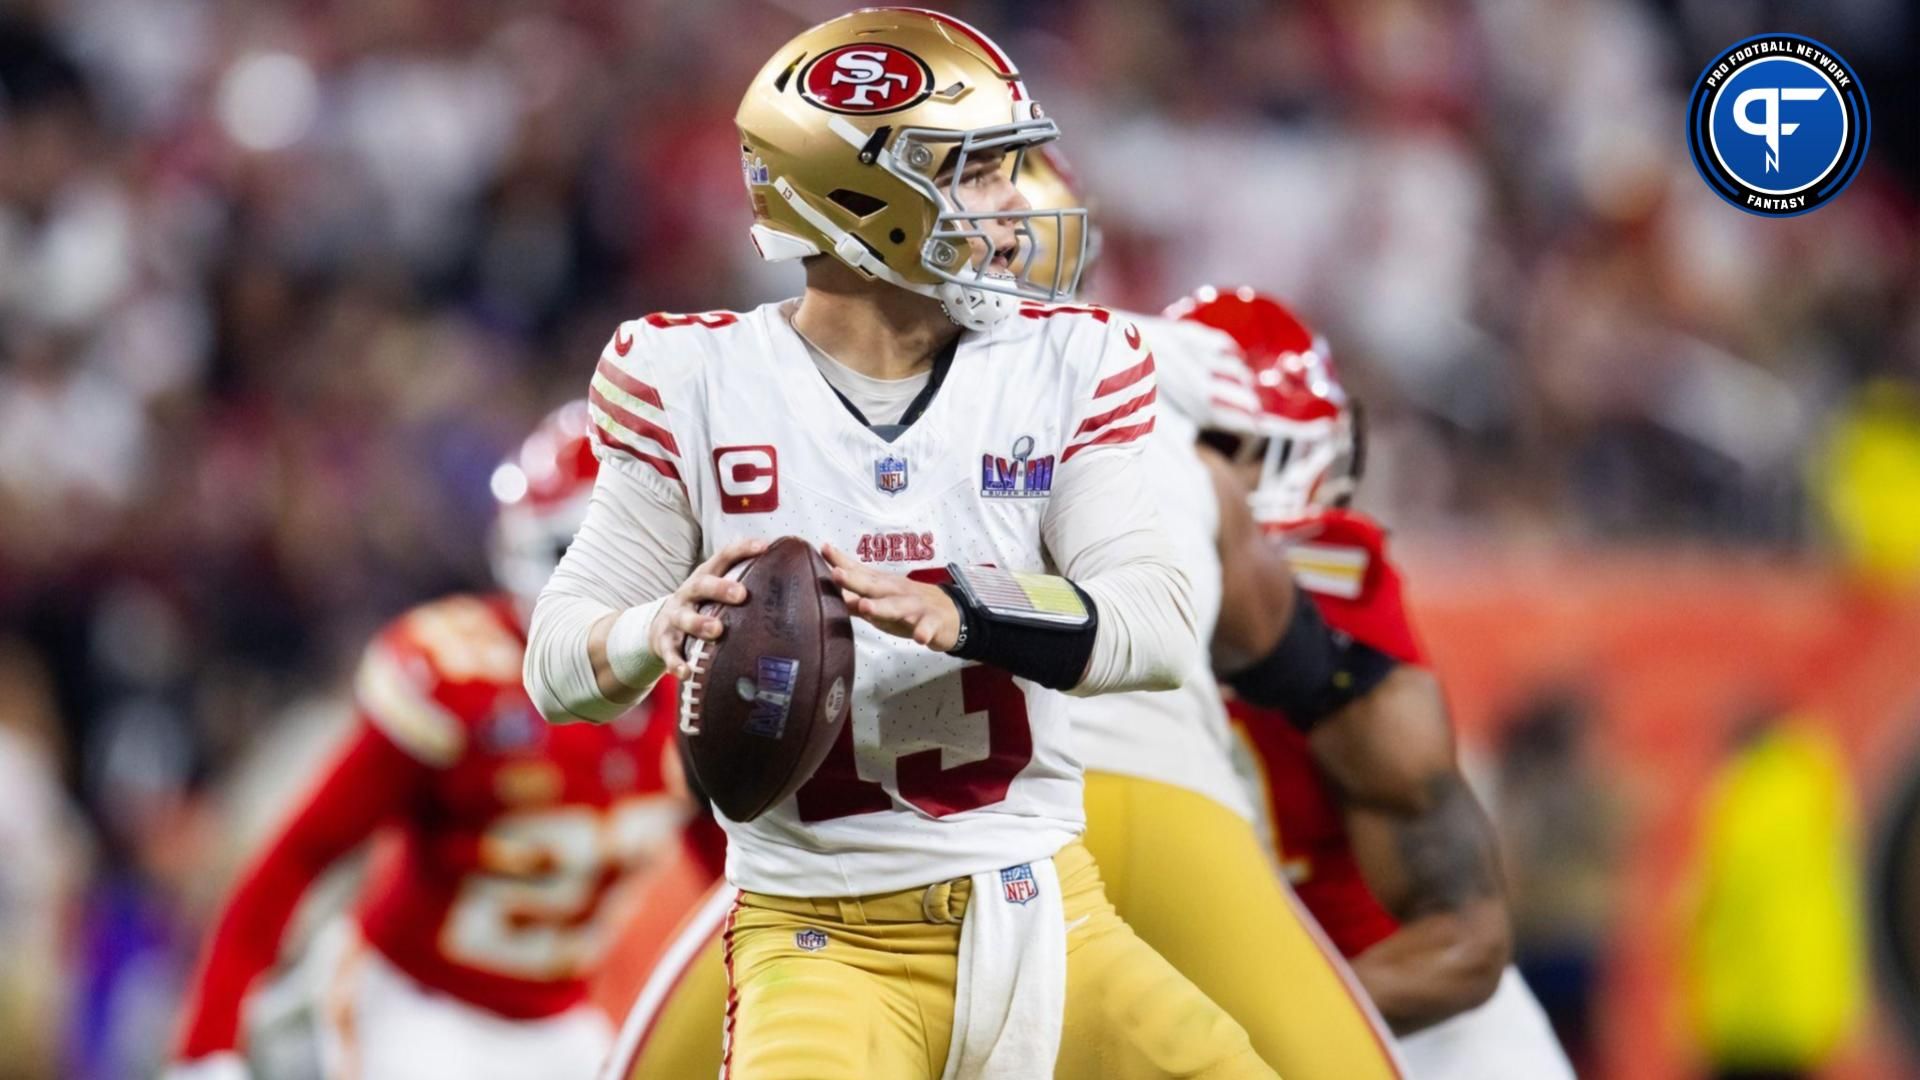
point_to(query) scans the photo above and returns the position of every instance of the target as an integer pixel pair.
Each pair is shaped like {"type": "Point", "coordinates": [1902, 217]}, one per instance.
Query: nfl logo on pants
{"type": "Point", "coordinates": [1018, 884]}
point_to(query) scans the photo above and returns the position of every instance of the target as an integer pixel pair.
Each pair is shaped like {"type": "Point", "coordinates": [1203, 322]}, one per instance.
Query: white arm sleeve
{"type": "Point", "coordinates": [1107, 539]}
{"type": "Point", "coordinates": [638, 543]}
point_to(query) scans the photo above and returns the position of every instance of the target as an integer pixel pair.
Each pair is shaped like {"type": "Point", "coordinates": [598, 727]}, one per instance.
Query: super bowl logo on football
{"type": "Point", "coordinates": [1018, 885]}
{"type": "Point", "coordinates": [770, 694]}
{"type": "Point", "coordinates": [867, 78]}
{"type": "Point", "coordinates": [890, 474]}
{"type": "Point", "coordinates": [1022, 476]}
{"type": "Point", "coordinates": [1778, 125]}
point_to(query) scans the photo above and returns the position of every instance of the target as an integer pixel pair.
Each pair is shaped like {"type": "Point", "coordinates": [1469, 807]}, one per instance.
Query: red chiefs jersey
{"type": "Point", "coordinates": [1339, 558]}
{"type": "Point", "coordinates": [498, 839]}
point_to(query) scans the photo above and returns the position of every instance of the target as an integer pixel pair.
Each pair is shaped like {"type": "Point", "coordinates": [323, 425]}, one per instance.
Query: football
{"type": "Point", "coordinates": [767, 700]}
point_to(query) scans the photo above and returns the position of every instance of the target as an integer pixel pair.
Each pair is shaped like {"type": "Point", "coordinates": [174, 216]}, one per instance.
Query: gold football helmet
{"type": "Point", "coordinates": [853, 142]}
{"type": "Point", "coordinates": [1066, 248]}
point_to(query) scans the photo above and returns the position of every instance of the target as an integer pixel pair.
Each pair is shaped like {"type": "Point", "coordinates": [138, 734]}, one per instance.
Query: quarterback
{"type": "Point", "coordinates": [922, 906]}
{"type": "Point", "coordinates": [500, 844]}
{"type": "Point", "coordinates": [1375, 825]}
{"type": "Point", "coordinates": [1169, 819]}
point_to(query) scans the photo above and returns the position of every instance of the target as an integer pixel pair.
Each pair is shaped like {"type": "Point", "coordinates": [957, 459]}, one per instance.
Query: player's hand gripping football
{"type": "Point", "coordinates": [681, 617]}
{"type": "Point", "coordinates": [895, 603]}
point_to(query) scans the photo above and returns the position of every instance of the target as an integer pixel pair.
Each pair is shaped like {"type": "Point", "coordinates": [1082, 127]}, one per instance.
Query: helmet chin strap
{"type": "Point", "coordinates": [971, 309]}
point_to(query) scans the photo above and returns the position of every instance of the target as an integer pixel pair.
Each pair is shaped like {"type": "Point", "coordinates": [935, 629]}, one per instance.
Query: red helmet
{"type": "Point", "coordinates": [1316, 452]}
{"type": "Point", "coordinates": [542, 492]}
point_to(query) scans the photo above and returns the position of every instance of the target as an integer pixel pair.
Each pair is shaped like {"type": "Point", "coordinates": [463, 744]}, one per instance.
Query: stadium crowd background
{"type": "Point", "coordinates": [282, 280]}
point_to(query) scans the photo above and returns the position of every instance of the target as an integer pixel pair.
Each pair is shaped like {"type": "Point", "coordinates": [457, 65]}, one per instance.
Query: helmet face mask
{"type": "Point", "coordinates": [862, 128]}
{"type": "Point", "coordinates": [1066, 246]}
{"type": "Point", "coordinates": [1317, 435]}
{"type": "Point", "coordinates": [1038, 273]}
{"type": "Point", "coordinates": [1309, 467]}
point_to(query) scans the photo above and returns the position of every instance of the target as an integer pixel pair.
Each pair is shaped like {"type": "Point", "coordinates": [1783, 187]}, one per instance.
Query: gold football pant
{"type": "Point", "coordinates": [875, 996]}
{"type": "Point", "coordinates": [1193, 880]}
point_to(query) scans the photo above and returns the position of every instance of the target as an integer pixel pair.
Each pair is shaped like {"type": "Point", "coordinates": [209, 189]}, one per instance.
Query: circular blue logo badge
{"type": "Point", "coordinates": [1778, 124]}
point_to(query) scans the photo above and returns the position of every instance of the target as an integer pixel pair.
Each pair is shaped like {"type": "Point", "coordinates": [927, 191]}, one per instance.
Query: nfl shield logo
{"type": "Point", "coordinates": [1018, 884]}
{"type": "Point", "coordinates": [890, 474]}
{"type": "Point", "coordinates": [810, 939]}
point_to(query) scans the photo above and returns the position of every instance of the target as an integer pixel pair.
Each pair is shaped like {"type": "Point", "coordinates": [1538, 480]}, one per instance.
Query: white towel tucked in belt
{"type": "Point", "coordinates": [1011, 991]}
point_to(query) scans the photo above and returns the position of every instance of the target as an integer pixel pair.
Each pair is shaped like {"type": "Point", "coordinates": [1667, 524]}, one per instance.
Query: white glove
{"type": "Point", "coordinates": [225, 1065]}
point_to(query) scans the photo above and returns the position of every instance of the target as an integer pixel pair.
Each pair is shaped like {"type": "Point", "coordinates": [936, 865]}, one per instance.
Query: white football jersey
{"type": "Point", "coordinates": [1182, 736]}
{"type": "Point", "coordinates": [947, 768]}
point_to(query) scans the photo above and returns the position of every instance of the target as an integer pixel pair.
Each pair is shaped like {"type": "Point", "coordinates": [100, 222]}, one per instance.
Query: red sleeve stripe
{"type": "Point", "coordinates": [1111, 435]}
{"type": "Point", "coordinates": [623, 379]}
{"type": "Point", "coordinates": [633, 421]}
{"type": "Point", "coordinates": [1122, 380]}
{"type": "Point", "coordinates": [1095, 423]}
{"type": "Point", "coordinates": [660, 465]}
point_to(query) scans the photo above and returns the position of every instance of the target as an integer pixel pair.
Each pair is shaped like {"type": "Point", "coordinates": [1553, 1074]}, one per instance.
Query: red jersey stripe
{"type": "Point", "coordinates": [1035, 310]}
{"type": "Point", "coordinates": [633, 421]}
{"type": "Point", "coordinates": [1123, 379]}
{"type": "Point", "coordinates": [660, 465]}
{"type": "Point", "coordinates": [1095, 423]}
{"type": "Point", "coordinates": [623, 379]}
{"type": "Point", "coordinates": [1111, 435]}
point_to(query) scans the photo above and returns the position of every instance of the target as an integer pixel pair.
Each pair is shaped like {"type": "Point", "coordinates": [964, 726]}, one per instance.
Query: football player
{"type": "Point", "coordinates": [1164, 803]}
{"type": "Point", "coordinates": [500, 843]}
{"type": "Point", "coordinates": [1375, 825]}
{"type": "Point", "coordinates": [923, 906]}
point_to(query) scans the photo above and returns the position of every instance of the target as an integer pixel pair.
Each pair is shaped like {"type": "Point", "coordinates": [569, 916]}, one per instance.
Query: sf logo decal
{"type": "Point", "coordinates": [865, 79]}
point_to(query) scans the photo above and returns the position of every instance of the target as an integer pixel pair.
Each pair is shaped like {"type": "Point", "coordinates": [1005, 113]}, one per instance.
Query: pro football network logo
{"type": "Point", "coordinates": [1022, 476]}
{"type": "Point", "coordinates": [1017, 883]}
{"type": "Point", "coordinates": [1778, 125]}
{"type": "Point", "coordinates": [890, 474]}
{"type": "Point", "coordinates": [867, 78]}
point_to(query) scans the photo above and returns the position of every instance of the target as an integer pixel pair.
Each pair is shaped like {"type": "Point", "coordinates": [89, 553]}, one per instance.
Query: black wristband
{"type": "Point", "coordinates": [1314, 671]}
{"type": "Point", "coordinates": [1054, 657]}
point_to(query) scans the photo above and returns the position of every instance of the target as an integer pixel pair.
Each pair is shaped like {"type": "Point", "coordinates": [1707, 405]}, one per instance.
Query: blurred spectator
{"type": "Point", "coordinates": [1868, 474]}
{"type": "Point", "coordinates": [45, 859]}
{"type": "Point", "coordinates": [1560, 827]}
{"type": "Point", "coordinates": [1778, 961]}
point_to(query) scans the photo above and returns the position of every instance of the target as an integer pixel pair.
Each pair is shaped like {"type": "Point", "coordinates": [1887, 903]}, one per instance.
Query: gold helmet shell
{"type": "Point", "coordinates": [853, 138]}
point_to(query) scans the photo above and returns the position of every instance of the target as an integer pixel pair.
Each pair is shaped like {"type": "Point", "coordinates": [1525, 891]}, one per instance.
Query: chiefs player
{"type": "Point", "coordinates": [499, 841]}
{"type": "Point", "coordinates": [1375, 824]}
